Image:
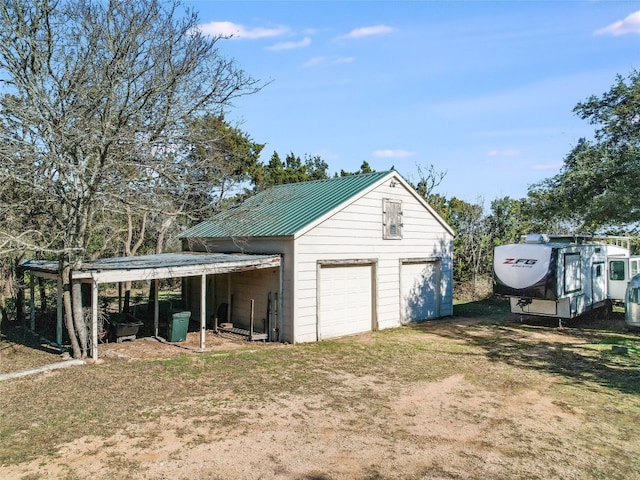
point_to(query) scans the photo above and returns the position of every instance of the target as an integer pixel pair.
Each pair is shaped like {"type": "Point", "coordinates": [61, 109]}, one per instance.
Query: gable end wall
{"type": "Point", "coordinates": [356, 232]}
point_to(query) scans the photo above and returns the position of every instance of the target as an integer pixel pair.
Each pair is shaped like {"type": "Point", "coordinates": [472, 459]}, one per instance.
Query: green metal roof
{"type": "Point", "coordinates": [283, 210]}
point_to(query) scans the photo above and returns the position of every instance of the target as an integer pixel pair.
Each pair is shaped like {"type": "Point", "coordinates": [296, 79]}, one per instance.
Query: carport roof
{"type": "Point", "coordinates": [150, 267]}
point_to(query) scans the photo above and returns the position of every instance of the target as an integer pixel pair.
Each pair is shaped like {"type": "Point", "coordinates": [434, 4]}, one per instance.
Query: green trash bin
{"type": "Point", "coordinates": [177, 328]}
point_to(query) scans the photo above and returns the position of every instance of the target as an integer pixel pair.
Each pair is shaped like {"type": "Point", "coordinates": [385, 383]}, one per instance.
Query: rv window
{"type": "Point", "coordinates": [616, 270]}
{"type": "Point", "coordinates": [634, 295]}
{"type": "Point", "coordinates": [634, 267]}
{"type": "Point", "coordinates": [598, 270]}
{"type": "Point", "coordinates": [572, 273]}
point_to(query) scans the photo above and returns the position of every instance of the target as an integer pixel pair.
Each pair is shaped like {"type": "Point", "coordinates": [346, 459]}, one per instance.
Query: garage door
{"type": "Point", "coordinates": [420, 291]}
{"type": "Point", "coordinates": [346, 300]}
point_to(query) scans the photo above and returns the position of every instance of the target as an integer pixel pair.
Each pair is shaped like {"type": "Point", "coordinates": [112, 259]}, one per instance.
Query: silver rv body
{"type": "Point", "coordinates": [632, 303]}
{"type": "Point", "coordinates": [560, 277]}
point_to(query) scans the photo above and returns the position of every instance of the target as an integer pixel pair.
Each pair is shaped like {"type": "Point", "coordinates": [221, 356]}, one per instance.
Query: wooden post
{"type": "Point", "coordinates": [277, 315]}
{"type": "Point", "coordinates": [277, 303]}
{"type": "Point", "coordinates": [156, 308]}
{"type": "Point", "coordinates": [228, 319]}
{"type": "Point", "coordinates": [203, 309]}
{"type": "Point", "coordinates": [251, 321]}
{"type": "Point", "coordinates": [269, 312]}
{"type": "Point", "coordinates": [59, 313]}
{"type": "Point", "coordinates": [94, 319]}
{"type": "Point", "coordinates": [119, 297]}
{"type": "Point", "coordinates": [32, 302]}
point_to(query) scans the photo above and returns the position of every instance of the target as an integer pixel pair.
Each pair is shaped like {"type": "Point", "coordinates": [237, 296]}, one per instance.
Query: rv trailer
{"type": "Point", "coordinates": [562, 276]}
{"type": "Point", "coordinates": [632, 303]}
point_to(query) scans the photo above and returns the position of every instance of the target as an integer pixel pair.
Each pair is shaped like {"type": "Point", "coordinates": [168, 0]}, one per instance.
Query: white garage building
{"type": "Point", "coordinates": [358, 253]}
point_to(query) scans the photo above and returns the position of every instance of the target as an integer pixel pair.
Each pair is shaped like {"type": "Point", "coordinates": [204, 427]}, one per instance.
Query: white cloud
{"type": "Point", "coordinates": [305, 42]}
{"type": "Point", "coordinates": [235, 30]}
{"type": "Point", "coordinates": [503, 153]}
{"type": "Point", "coordinates": [324, 61]}
{"type": "Point", "coordinates": [631, 24]}
{"type": "Point", "coordinates": [315, 61]}
{"type": "Point", "coordinates": [369, 31]}
{"type": "Point", "coordinates": [342, 60]}
{"type": "Point", "coordinates": [393, 154]}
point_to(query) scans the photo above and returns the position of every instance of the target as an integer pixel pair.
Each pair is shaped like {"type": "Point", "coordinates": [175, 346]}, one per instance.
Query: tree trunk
{"type": "Point", "coordinates": [78, 316]}
{"type": "Point", "coordinates": [43, 295]}
{"type": "Point", "coordinates": [162, 231]}
{"type": "Point", "coordinates": [20, 298]}
{"type": "Point", "coordinates": [130, 249]}
{"type": "Point", "coordinates": [3, 310]}
{"type": "Point", "coordinates": [164, 228]}
{"type": "Point", "coordinates": [68, 311]}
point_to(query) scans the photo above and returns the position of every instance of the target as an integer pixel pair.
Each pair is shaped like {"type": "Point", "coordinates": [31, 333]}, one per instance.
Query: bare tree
{"type": "Point", "coordinates": [95, 96]}
{"type": "Point", "coordinates": [428, 180]}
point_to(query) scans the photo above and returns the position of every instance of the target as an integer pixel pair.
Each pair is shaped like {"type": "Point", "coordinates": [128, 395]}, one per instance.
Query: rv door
{"type": "Point", "coordinates": [617, 278]}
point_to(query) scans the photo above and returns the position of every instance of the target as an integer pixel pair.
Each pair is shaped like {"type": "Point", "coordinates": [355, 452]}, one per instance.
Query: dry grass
{"type": "Point", "coordinates": [476, 396]}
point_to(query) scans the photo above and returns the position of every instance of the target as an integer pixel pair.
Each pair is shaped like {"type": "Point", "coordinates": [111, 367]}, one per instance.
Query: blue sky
{"type": "Point", "coordinates": [483, 91]}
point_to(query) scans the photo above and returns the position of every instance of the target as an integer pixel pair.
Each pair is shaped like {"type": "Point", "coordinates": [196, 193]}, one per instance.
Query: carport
{"type": "Point", "coordinates": [144, 267]}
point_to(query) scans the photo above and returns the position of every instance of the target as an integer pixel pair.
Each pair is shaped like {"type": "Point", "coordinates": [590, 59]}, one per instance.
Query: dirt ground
{"type": "Point", "coordinates": [451, 428]}
{"type": "Point", "coordinates": [22, 351]}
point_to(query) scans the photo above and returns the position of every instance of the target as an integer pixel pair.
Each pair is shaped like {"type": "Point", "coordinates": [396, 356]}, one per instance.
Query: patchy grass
{"type": "Point", "coordinates": [490, 306]}
{"type": "Point", "coordinates": [585, 399]}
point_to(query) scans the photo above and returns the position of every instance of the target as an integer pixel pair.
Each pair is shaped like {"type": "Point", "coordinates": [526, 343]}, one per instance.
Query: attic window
{"type": "Point", "coordinates": [392, 219]}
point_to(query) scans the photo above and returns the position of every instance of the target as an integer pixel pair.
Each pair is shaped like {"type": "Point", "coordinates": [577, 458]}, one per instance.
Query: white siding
{"type": "Point", "coordinates": [246, 286]}
{"type": "Point", "coordinates": [356, 233]}
{"type": "Point", "coordinates": [353, 233]}
{"type": "Point", "coordinates": [282, 246]}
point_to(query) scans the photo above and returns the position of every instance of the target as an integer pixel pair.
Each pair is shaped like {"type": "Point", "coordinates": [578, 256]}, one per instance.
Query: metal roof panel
{"type": "Point", "coordinates": [283, 210]}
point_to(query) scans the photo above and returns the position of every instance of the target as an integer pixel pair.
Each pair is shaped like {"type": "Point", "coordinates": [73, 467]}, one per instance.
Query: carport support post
{"type": "Point", "coordinates": [156, 313]}
{"type": "Point", "coordinates": [59, 313]}
{"type": "Point", "coordinates": [94, 319]}
{"type": "Point", "coordinates": [203, 309]}
{"type": "Point", "coordinates": [32, 302]}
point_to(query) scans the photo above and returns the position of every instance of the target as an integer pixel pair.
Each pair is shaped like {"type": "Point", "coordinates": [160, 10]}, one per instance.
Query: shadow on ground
{"type": "Point", "coordinates": [582, 350]}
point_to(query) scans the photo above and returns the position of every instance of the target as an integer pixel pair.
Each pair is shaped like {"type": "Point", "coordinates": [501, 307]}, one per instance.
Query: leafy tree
{"type": "Point", "coordinates": [292, 170]}
{"type": "Point", "coordinates": [507, 221]}
{"type": "Point", "coordinates": [599, 183]}
{"type": "Point", "coordinates": [95, 98]}
{"type": "Point", "coordinates": [217, 161]}
{"type": "Point", "coordinates": [473, 243]}
{"type": "Point", "coordinates": [315, 167]}
{"type": "Point", "coordinates": [364, 168]}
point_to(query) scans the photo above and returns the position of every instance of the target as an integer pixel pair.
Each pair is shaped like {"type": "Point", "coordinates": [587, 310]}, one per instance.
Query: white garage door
{"type": "Point", "coordinates": [346, 300]}
{"type": "Point", "coordinates": [420, 291]}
